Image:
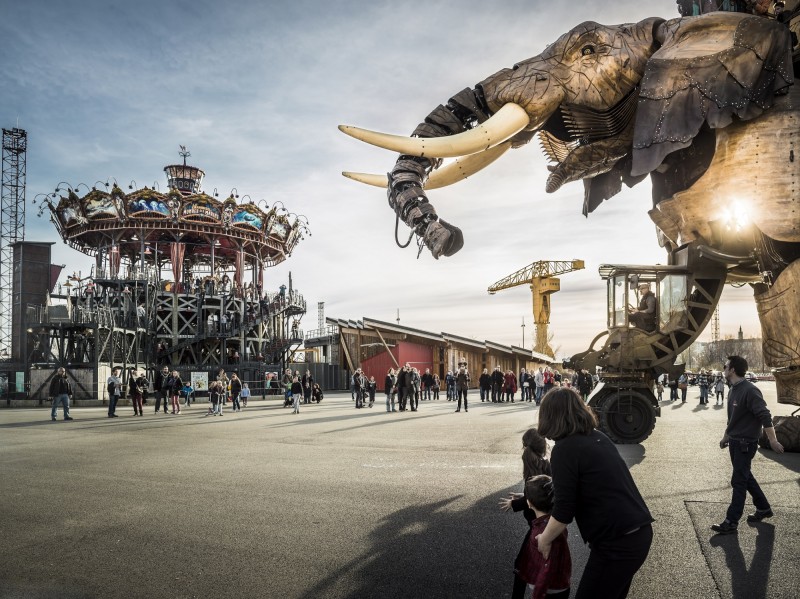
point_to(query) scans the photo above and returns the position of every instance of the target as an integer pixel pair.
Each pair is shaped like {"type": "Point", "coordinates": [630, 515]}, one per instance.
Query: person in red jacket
{"type": "Point", "coordinates": [510, 385]}
{"type": "Point", "coordinates": [549, 576]}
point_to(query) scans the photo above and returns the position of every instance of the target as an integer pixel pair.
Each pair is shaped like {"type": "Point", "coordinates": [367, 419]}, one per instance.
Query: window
{"type": "Point", "coordinates": [672, 302]}
{"type": "Point", "coordinates": [617, 302]}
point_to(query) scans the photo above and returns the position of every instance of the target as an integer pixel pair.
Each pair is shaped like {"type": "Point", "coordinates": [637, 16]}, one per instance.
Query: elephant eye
{"type": "Point", "coordinates": [587, 50]}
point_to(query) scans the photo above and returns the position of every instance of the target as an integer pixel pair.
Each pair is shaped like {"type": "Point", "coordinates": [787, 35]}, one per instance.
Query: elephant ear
{"type": "Point", "coordinates": [709, 69]}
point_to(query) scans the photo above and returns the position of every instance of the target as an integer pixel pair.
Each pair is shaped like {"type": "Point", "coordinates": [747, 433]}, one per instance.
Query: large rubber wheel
{"type": "Point", "coordinates": [627, 417]}
{"type": "Point", "coordinates": [787, 430]}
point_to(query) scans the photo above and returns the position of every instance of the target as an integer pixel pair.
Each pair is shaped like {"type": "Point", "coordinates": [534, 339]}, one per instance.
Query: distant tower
{"type": "Point", "coordinates": [320, 316]}
{"type": "Point", "coordinates": [715, 325]}
{"type": "Point", "coordinates": [715, 335]}
{"type": "Point", "coordinates": [12, 224]}
{"type": "Point", "coordinates": [741, 334]}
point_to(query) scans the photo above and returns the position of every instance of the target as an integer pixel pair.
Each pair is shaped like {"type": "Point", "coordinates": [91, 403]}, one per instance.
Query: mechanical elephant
{"type": "Point", "coordinates": [703, 105]}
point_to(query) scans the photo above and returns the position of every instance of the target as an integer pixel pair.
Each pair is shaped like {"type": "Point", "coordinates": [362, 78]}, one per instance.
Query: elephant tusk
{"type": "Point", "coordinates": [505, 123]}
{"type": "Point", "coordinates": [367, 178]}
{"type": "Point", "coordinates": [457, 171]}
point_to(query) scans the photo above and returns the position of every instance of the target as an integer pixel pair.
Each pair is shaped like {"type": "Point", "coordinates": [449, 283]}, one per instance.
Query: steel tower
{"type": "Point", "coordinates": [12, 224]}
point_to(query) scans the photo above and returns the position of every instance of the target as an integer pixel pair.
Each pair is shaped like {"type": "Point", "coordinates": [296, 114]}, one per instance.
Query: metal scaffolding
{"type": "Point", "coordinates": [12, 225]}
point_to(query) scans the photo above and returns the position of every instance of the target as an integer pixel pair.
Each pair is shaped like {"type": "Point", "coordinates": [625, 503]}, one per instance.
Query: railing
{"type": "Point", "coordinates": [149, 274]}
{"type": "Point", "coordinates": [328, 331]}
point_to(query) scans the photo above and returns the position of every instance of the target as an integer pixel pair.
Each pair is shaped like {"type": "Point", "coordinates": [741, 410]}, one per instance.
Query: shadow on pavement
{"type": "Point", "coordinates": [747, 583]}
{"type": "Point", "coordinates": [787, 460]}
{"type": "Point", "coordinates": [433, 550]}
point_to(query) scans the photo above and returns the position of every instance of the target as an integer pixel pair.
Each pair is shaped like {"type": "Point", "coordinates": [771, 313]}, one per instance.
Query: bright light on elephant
{"type": "Point", "coordinates": [737, 217]}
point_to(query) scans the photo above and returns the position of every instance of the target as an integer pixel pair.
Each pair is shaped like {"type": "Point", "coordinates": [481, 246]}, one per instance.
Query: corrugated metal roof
{"type": "Point", "coordinates": [387, 326]}
{"type": "Point", "coordinates": [464, 340]}
{"type": "Point", "coordinates": [371, 323]}
{"type": "Point", "coordinates": [498, 347]}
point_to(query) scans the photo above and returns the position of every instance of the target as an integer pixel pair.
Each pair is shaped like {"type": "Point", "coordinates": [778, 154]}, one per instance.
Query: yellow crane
{"type": "Point", "coordinates": [541, 276]}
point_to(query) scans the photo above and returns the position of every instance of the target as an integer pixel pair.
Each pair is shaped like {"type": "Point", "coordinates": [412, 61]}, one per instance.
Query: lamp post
{"type": "Point", "coordinates": [523, 332]}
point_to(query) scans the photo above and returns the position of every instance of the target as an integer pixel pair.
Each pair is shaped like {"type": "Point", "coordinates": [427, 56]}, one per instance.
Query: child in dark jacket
{"type": "Point", "coordinates": [549, 577]}
{"type": "Point", "coordinates": [296, 391]}
{"type": "Point", "coordinates": [534, 462]}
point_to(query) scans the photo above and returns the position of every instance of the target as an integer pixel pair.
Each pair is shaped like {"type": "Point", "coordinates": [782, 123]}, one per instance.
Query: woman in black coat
{"type": "Point", "coordinates": [594, 486]}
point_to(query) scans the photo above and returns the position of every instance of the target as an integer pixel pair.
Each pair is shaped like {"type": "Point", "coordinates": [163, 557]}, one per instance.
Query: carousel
{"type": "Point", "coordinates": [178, 280]}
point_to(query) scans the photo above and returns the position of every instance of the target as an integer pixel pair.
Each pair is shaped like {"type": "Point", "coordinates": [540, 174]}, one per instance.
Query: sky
{"type": "Point", "coordinates": [255, 90]}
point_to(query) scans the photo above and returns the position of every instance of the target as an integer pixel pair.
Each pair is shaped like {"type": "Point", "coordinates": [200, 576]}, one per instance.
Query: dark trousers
{"type": "Point", "coordinates": [137, 403]}
{"type": "Point", "coordinates": [414, 396]}
{"type": "Point", "coordinates": [112, 404]}
{"type": "Point", "coordinates": [359, 398]}
{"type": "Point", "coordinates": [462, 393]}
{"type": "Point", "coordinates": [235, 398]}
{"type": "Point", "coordinates": [161, 396]}
{"type": "Point", "coordinates": [403, 394]}
{"type": "Point", "coordinates": [743, 481]}
{"type": "Point", "coordinates": [612, 565]}
{"type": "Point", "coordinates": [495, 392]}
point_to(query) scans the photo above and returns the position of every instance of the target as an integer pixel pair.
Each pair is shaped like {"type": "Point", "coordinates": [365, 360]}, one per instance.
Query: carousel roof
{"type": "Point", "coordinates": [146, 217]}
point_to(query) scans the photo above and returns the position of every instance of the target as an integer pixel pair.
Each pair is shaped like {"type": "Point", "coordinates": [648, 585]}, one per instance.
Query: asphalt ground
{"type": "Point", "coordinates": [338, 502]}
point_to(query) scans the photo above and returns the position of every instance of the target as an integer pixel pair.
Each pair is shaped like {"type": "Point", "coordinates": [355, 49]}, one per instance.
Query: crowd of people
{"type": "Point", "coordinates": [499, 386]}
{"type": "Point", "coordinates": [706, 381]}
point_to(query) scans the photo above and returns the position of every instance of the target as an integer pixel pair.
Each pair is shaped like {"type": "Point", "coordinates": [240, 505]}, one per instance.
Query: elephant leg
{"type": "Point", "coordinates": [779, 312]}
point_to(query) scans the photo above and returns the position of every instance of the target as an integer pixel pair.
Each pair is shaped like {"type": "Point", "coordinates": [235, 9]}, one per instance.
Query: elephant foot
{"type": "Point", "coordinates": [787, 384]}
{"type": "Point", "coordinates": [779, 313]}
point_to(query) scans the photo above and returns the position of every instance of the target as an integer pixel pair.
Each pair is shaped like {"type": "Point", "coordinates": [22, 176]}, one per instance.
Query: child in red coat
{"type": "Point", "coordinates": [549, 577]}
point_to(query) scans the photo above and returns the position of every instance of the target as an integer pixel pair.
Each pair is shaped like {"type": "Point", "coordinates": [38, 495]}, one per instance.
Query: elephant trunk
{"type": "Point", "coordinates": [465, 111]}
{"type": "Point", "coordinates": [407, 198]}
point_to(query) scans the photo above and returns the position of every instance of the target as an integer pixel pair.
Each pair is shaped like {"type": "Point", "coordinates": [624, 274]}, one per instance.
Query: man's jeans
{"type": "Point", "coordinates": [742, 480]}
{"type": "Point", "coordinates": [703, 393]}
{"type": "Point", "coordinates": [112, 403]}
{"type": "Point", "coordinates": [539, 393]}
{"type": "Point", "coordinates": [161, 396]}
{"type": "Point", "coordinates": [63, 399]}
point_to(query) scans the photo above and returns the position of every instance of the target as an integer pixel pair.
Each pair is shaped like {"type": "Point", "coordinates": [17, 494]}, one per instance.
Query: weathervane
{"type": "Point", "coordinates": [185, 153]}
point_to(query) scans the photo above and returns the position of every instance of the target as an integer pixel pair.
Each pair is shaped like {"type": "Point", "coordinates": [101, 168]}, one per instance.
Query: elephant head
{"type": "Point", "coordinates": [610, 104]}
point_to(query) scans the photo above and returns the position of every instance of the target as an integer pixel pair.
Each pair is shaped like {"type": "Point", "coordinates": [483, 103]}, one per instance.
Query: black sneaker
{"type": "Point", "coordinates": [70, 418]}
{"type": "Point", "coordinates": [724, 528]}
{"type": "Point", "coordinates": [759, 515]}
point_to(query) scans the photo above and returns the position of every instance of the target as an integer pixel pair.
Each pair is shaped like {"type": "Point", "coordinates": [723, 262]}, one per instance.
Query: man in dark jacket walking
{"type": "Point", "coordinates": [359, 383]}
{"type": "Point", "coordinates": [427, 384]}
{"type": "Point", "coordinates": [497, 385]}
{"type": "Point", "coordinates": [462, 385]}
{"type": "Point", "coordinates": [60, 392]}
{"type": "Point", "coordinates": [404, 386]}
{"type": "Point", "coordinates": [160, 389]}
{"type": "Point", "coordinates": [747, 414]}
